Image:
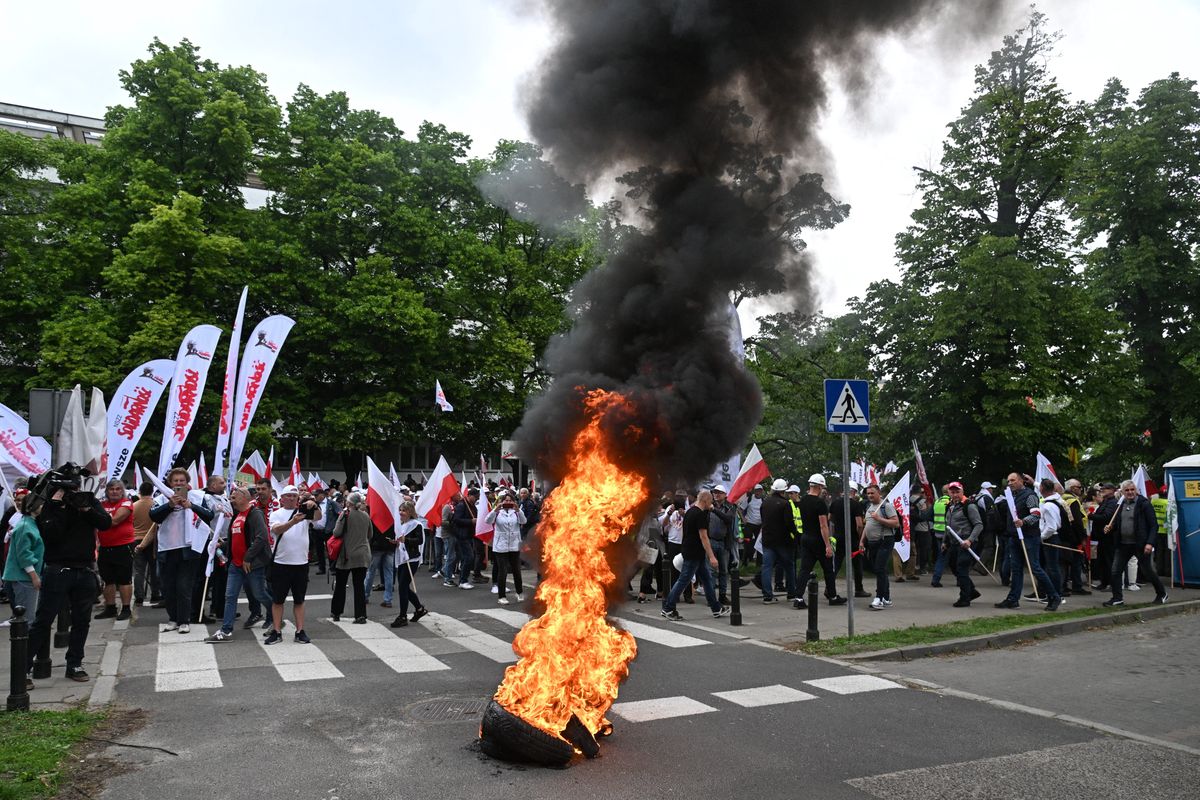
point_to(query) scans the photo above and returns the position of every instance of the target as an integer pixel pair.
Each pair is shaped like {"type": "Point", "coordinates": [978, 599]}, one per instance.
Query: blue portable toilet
{"type": "Point", "coordinates": [1184, 475]}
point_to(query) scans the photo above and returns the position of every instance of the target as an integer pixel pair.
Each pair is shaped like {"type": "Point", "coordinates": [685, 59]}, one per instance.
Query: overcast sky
{"type": "Point", "coordinates": [462, 63]}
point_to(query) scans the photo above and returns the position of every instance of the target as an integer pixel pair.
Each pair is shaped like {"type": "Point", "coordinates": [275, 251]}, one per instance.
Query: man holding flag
{"type": "Point", "coordinates": [1023, 513]}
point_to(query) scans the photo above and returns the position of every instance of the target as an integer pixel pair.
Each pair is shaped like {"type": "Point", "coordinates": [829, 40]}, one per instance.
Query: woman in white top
{"type": "Point", "coordinates": [507, 519]}
{"type": "Point", "coordinates": [410, 539]}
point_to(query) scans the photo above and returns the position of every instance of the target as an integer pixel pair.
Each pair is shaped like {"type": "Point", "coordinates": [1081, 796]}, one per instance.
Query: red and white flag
{"type": "Point", "coordinates": [484, 530]}
{"type": "Point", "coordinates": [269, 472]}
{"type": "Point", "coordinates": [1141, 479]}
{"type": "Point", "coordinates": [28, 455]}
{"type": "Point", "coordinates": [395, 479]}
{"type": "Point", "coordinates": [899, 499]}
{"type": "Point", "coordinates": [202, 472]}
{"type": "Point", "coordinates": [296, 478]}
{"type": "Point", "coordinates": [131, 409]}
{"type": "Point", "coordinates": [383, 501]}
{"type": "Point", "coordinates": [438, 490]}
{"type": "Point", "coordinates": [1044, 470]}
{"type": "Point", "coordinates": [890, 468]}
{"type": "Point", "coordinates": [187, 387]}
{"type": "Point", "coordinates": [262, 351]}
{"type": "Point", "coordinates": [922, 476]}
{"type": "Point", "coordinates": [255, 466]}
{"type": "Point", "coordinates": [225, 422]}
{"type": "Point", "coordinates": [753, 472]}
{"type": "Point", "coordinates": [439, 397]}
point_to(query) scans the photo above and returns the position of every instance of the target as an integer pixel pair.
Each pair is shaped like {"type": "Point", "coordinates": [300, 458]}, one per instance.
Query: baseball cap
{"type": "Point", "coordinates": [720, 488]}
{"type": "Point", "coordinates": [816, 478]}
{"type": "Point", "coordinates": [779, 485]}
{"type": "Point", "coordinates": [853, 486]}
{"type": "Point", "coordinates": [289, 489]}
{"type": "Point", "coordinates": [987, 485]}
{"type": "Point", "coordinates": [954, 485]}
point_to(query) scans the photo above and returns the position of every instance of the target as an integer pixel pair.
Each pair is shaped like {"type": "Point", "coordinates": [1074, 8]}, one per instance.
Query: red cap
{"type": "Point", "coordinates": [954, 485]}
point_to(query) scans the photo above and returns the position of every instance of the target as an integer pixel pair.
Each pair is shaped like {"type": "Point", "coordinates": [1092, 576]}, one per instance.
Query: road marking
{"type": "Point", "coordinates": [106, 675]}
{"type": "Point", "coordinates": [463, 634]}
{"type": "Point", "coordinates": [399, 654]}
{"type": "Point", "coordinates": [185, 662]}
{"type": "Point", "coordinates": [640, 631]}
{"type": "Point", "coordinates": [765, 696]}
{"type": "Point", "coordinates": [243, 601]}
{"type": "Point", "coordinates": [853, 684]}
{"type": "Point", "coordinates": [298, 662]}
{"type": "Point", "coordinates": [662, 708]}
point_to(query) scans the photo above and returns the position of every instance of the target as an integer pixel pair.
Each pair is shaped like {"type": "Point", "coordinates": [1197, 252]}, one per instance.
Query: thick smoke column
{"type": "Point", "coordinates": [709, 107]}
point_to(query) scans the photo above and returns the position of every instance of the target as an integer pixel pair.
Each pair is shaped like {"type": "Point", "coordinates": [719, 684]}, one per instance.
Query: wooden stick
{"type": "Point", "coordinates": [1028, 564]}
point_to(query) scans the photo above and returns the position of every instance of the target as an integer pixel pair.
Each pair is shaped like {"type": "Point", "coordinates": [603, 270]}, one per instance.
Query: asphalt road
{"type": "Point", "coordinates": [335, 719]}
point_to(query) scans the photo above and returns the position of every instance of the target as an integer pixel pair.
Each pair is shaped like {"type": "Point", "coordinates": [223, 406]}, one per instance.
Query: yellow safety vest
{"type": "Point", "coordinates": [939, 514]}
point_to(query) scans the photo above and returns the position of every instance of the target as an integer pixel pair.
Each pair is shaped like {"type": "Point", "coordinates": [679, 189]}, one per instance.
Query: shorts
{"type": "Point", "coordinates": [289, 578]}
{"type": "Point", "coordinates": [116, 564]}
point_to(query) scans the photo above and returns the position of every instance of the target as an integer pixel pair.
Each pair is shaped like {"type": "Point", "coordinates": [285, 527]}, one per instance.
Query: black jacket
{"type": "Point", "coordinates": [778, 524]}
{"type": "Point", "coordinates": [1145, 524]}
{"type": "Point", "coordinates": [70, 533]}
{"type": "Point", "coordinates": [464, 521]}
{"type": "Point", "coordinates": [254, 529]}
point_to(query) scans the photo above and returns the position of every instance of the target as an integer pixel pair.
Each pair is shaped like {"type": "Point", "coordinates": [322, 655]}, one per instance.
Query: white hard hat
{"type": "Point", "coordinates": [793, 488]}
{"type": "Point", "coordinates": [720, 488]}
{"type": "Point", "coordinates": [780, 485]}
{"type": "Point", "coordinates": [677, 562]}
{"type": "Point", "coordinates": [854, 486]}
{"type": "Point", "coordinates": [816, 478]}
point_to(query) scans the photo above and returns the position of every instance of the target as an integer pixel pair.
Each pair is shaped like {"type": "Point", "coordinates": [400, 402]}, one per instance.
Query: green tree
{"type": "Point", "coordinates": [1136, 198]}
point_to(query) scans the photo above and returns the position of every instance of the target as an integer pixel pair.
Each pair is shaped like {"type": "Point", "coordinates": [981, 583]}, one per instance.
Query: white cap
{"type": "Point", "coordinates": [780, 485]}
{"type": "Point", "coordinates": [289, 489]}
{"type": "Point", "coordinates": [987, 485]}
{"type": "Point", "coordinates": [816, 478]}
{"type": "Point", "coordinates": [720, 488]}
{"type": "Point", "coordinates": [853, 486]}
{"type": "Point", "coordinates": [794, 488]}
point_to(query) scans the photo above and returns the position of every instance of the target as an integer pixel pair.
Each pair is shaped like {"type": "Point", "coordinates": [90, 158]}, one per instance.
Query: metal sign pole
{"type": "Point", "coordinates": [848, 535]}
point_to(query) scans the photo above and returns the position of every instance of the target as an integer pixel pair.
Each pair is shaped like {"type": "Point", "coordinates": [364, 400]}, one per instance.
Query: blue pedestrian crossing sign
{"type": "Point", "coordinates": [846, 406]}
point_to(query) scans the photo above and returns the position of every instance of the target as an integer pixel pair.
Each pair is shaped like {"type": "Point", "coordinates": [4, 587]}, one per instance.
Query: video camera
{"type": "Point", "coordinates": [77, 484]}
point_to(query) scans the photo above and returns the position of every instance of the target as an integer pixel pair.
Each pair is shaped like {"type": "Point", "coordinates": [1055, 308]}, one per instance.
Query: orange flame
{"type": "Point", "coordinates": [572, 659]}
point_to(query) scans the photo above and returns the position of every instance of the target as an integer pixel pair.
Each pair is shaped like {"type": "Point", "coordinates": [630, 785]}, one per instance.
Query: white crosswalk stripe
{"type": "Point", "coordinates": [399, 654]}
{"type": "Point", "coordinates": [298, 662]}
{"type": "Point", "coordinates": [853, 684]}
{"type": "Point", "coordinates": [185, 662]}
{"type": "Point", "coordinates": [660, 708]}
{"type": "Point", "coordinates": [640, 631]}
{"type": "Point", "coordinates": [765, 696]}
{"type": "Point", "coordinates": [463, 634]}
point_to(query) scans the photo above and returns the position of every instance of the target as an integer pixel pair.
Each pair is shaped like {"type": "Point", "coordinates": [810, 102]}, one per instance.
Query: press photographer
{"type": "Point", "coordinates": [68, 517]}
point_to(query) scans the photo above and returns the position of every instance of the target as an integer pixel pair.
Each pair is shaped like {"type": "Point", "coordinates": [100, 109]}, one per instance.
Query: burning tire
{"type": "Point", "coordinates": [506, 736]}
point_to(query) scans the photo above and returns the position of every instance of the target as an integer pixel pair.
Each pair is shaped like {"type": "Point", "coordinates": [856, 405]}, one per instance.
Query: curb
{"type": "Point", "coordinates": [1005, 638]}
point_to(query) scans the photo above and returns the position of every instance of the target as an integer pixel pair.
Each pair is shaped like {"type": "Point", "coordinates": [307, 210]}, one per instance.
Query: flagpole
{"type": "Point", "coordinates": [974, 555]}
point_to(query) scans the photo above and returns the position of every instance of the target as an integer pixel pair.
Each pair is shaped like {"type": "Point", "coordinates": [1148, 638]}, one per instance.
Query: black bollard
{"type": "Point", "coordinates": [735, 605]}
{"type": "Point", "coordinates": [62, 626]}
{"type": "Point", "coordinates": [812, 634]}
{"type": "Point", "coordinates": [664, 581]}
{"type": "Point", "coordinates": [18, 636]}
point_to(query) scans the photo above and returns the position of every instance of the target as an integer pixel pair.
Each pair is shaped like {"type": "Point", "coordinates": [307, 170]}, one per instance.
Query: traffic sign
{"type": "Point", "coordinates": [847, 409]}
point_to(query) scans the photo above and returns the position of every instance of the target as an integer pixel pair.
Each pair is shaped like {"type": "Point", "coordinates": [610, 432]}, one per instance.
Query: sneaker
{"type": "Point", "coordinates": [520, 597]}
{"type": "Point", "coordinates": [723, 600]}
{"type": "Point", "coordinates": [400, 622]}
{"type": "Point", "coordinates": [936, 584]}
{"type": "Point", "coordinates": [252, 621]}
{"type": "Point", "coordinates": [126, 613]}
{"type": "Point", "coordinates": [975, 595]}
{"type": "Point", "coordinates": [1133, 587]}
{"type": "Point", "coordinates": [724, 612]}
{"type": "Point", "coordinates": [961, 603]}
{"type": "Point", "coordinates": [449, 584]}
{"type": "Point", "coordinates": [170, 626]}
{"type": "Point", "coordinates": [422, 611]}
{"type": "Point", "coordinates": [1007, 604]}
{"type": "Point", "coordinates": [1160, 600]}
{"type": "Point", "coordinates": [671, 615]}
{"type": "Point", "coordinates": [1116, 601]}
{"type": "Point", "coordinates": [219, 636]}
{"type": "Point", "coordinates": [769, 600]}
{"type": "Point", "coordinates": [1081, 591]}
{"type": "Point", "coordinates": [386, 604]}
{"type": "Point", "coordinates": [887, 603]}
{"type": "Point", "coordinates": [861, 593]}
{"type": "Point", "coordinates": [158, 604]}
{"type": "Point", "coordinates": [185, 628]}
{"type": "Point", "coordinates": [838, 601]}
{"type": "Point", "coordinates": [495, 589]}
{"type": "Point", "coordinates": [109, 612]}
{"type": "Point", "coordinates": [503, 601]}
{"type": "Point", "coordinates": [336, 617]}
{"type": "Point", "coordinates": [1054, 604]}
{"type": "Point", "coordinates": [302, 638]}
{"type": "Point", "coordinates": [360, 621]}
{"type": "Point", "coordinates": [466, 586]}
{"type": "Point", "coordinates": [77, 674]}
{"type": "Point", "coordinates": [876, 605]}
{"type": "Point", "coordinates": [274, 637]}
{"type": "Point", "coordinates": [799, 604]}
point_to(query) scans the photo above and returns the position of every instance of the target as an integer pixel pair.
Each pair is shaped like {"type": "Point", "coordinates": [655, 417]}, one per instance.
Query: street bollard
{"type": "Point", "coordinates": [664, 580]}
{"type": "Point", "coordinates": [62, 627]}
{"type": "Point", "coordinates": [735, 605]}
{"type": "Point", "coordinates": [41, 659]}
{"type": "Point", "coordinates": [812, 634]}
{"type": "Point", "coordinates": [18, 636]}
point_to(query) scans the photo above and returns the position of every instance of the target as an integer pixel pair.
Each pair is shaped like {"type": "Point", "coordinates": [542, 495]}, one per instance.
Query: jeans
{"type": "Point", "coordinates": [439, 553]}
{"type": "Point", "coordinates": [405, 591]}
{"type": "Point", "coordinates": [939, 565]}
{"type": "Point", "coordinates": [357, 578]}
{"type": "Point", "coordinates": [1050, 559]}
{"type": "Point", "coordinates": [1003, 543]}
{"type": "Point", "coordinates": [381, 564]}
{"type": "Point", "coordinates": [771, 557]}
{"type": "Point", "coordinates": [673, 550]}
{"type": "Point", "coordinates": [880, 555]}
{"type": "Point", "coordinates": [718, 549]}
{"type": "Point", "coordinates": [812, 552]}
{"type": "Point", "coordinates": [694, 568]}
{"type": "Point", "coordinates": [316, 546]}
{"type": "Point", "coordinates": [502, 564]}
{"type": "Point", "coordinates": [460, 557]}
{"type": "Point", "coordinates": [236, 579]}
{"type": "Point", "coordinates": [177, 571]}
{"type": "Point", "coordinates": [1016, 560]}
{"type": "Point", "coordinates": [75, 588]}
{"type": "Point", "coordinates": [961, 563]}
{"type": "Point", "coordinates": [1073, 570]}
{"type": "Point", "coordinates": [145, 571]}
{"type": "Point", "coordinates": [217, 584]}
{"type": "Point", "coordinates": [1123, 554]}
{"type": "Point", "coordinates": [22, 593]}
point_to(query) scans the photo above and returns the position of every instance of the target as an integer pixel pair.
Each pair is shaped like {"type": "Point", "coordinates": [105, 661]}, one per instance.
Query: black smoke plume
{"type": "Point", "coordinates": [707, 111]}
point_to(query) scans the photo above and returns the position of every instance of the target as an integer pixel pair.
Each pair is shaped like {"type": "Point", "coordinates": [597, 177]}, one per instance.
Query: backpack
{"type": "Point", "coordinates": [1070, 528]}
{"type": "Point", "coordinates": [993, 518]}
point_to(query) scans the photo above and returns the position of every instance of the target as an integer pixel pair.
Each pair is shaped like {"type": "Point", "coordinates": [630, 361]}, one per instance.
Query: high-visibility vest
{"type": "Point", "coordinates": [796, 516]}
{"type": "Point", "coordinates": [939, 514]}
{"type": "Point", "coordinates": [1160, 512]}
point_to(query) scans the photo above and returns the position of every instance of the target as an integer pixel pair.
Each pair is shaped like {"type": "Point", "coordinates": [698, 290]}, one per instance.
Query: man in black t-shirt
{"type": "Point", "coordinates": [815, 547]}
{"type": "Point", "coordinates": [698, 558]}
{"type": "Point", "coordinates": [837, 514]}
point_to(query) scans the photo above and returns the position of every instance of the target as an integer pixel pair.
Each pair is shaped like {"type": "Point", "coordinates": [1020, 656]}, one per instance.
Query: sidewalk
{"type": "Point", "coordinates": [914, 604]}
{"type": "Point", "coordinates": [101, 657]}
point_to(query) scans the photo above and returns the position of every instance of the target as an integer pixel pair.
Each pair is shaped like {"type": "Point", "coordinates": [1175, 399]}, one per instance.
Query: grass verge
{"type": "Point", "coordinates": [33, 747]}
{"type": "Point", "coordinates": [928, 634]}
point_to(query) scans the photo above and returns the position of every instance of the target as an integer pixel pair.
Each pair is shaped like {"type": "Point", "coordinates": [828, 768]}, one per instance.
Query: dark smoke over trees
{"type": "Point", "coordinates": [706, 112]}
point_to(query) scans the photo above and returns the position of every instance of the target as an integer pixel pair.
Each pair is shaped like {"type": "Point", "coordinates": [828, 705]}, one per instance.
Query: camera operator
{"type": "Point", "coordinates": [289, 568]}
{"type": "Point", "coordinates": [68, 520]}
{"type": "Point", "coordinates": [176, 555]}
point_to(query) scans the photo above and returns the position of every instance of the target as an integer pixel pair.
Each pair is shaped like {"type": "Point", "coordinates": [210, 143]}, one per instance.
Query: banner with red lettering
{"type": "Point", "coordinates": [191, 373]}
{"type": "Point", "coordinates": [225, 423]}
{"type": "Point", "coordinates": [130, 412]}
{"type": "Point", "coordinates": [899, 498]}
{"type": "Point", "coordinates": [28, 455]}
{"type": "Point", "coordinates": [258, 359]}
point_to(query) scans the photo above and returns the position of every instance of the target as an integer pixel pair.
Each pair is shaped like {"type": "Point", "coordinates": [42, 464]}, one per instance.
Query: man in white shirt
{"type": "Point", "coordinates": [289, 568]}
{"type": "Point", "coordinates": [1051, 520]}
{"type": "Point", "coordinates": [179, 547]}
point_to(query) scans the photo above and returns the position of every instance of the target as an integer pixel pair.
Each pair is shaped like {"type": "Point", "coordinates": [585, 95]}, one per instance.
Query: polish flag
{"type": "Point", "coordinates": [393, 477]}
{"type": "Point", "coordinates": [314, 482]}
{"type": "Point", "coordinates": [923, 476]}
{"type": "Point", "coordinates": [383, 500]}
{"type": "Point", "coordinates": [440, 487]}
{"type": "Point", "coordinates": [1044, 470]}
{"type": "Point", "coordinates": [191, 471]}
{"type": "Point", "coordinates": [297, 477]}
{"type": "Point", "coordinates": [484, 531]}
{"type": "Point", "coordinates": [255, 466]}
{"type": "Point", "coordinates": [269, 471]}
{"type": "Point", "coordinates": [754, 471]}
{"type": "Point", "coordinates": [203, 473]}
{"type": "Point", "coordinates": [439, 397]}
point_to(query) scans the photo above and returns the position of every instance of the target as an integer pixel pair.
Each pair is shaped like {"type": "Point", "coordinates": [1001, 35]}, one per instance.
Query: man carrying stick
{"type": "Point", "coordinates": [1024, 524]}
{"type": "Point", "coordinates": [964, 525]}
